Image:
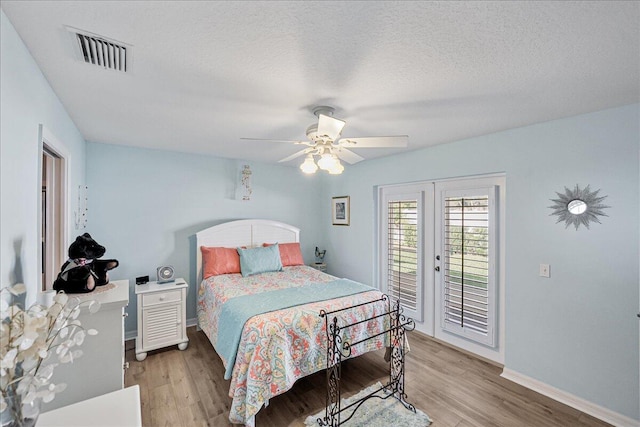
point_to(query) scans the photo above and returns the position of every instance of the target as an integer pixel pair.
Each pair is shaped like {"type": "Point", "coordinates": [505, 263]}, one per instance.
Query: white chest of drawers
{"type": "Point", "coordinates": [100, 370]}
{"type": "Point", "coordinates": [119, 408]}
{"type": "Point", "coordinates": [161, 316]}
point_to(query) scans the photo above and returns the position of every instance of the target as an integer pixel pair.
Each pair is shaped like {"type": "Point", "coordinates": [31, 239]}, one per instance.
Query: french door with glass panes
{"type": "Point", "coordinates": [466, 247]}
{"type": "Point", "coordinates": [439, 255]}
{"type": "Point", "coordinates": [406, 225]}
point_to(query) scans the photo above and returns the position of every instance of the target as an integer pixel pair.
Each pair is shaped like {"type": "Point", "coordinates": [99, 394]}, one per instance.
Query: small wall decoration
{"type": "Point", "coordinates": [246, 183]}
{"type": "Point", "coordinates": [340, 210]}
{"type": "Point", "coordinates": [81, 209]}
{"type": "Point", "coordinates": [578, 206]}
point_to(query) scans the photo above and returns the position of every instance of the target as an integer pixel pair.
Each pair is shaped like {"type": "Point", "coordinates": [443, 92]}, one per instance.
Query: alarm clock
{"type": "Point", "coordinates": [165, 274]}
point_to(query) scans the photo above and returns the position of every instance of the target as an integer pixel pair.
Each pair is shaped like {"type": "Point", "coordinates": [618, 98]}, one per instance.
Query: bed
{"type": "Point", "coordinates": [265, 353]}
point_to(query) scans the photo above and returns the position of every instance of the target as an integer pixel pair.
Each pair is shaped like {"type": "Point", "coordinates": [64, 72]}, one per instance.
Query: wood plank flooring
{"type": "Point", "coordinates": [187, 388]}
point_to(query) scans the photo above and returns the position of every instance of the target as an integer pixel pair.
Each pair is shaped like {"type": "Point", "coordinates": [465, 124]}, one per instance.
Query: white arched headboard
{"type": "Point", "coordinates": [244, 232]}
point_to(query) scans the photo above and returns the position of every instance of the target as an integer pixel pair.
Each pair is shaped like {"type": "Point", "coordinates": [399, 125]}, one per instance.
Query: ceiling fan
{"type": "Point", "coordinates": [326, 142]}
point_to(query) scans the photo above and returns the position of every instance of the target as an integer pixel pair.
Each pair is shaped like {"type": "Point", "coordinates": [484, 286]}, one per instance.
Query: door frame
{"type": "Point", "coordinates": [53, 145]}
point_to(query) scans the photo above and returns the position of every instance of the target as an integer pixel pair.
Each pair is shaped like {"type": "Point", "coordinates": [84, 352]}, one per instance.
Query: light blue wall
{"type": "Point", "coordinates": [27, 101]}
{"type": "Point", "coordinates": [578, 330]}
{"type": "Point", "coordinates": [145, 207]}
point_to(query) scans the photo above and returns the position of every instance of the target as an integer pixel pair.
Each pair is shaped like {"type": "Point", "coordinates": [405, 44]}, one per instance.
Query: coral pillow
{"type": "Point", "coordinates": [218, 261]}
{"type": "Point", "coordinates": [290, 253]}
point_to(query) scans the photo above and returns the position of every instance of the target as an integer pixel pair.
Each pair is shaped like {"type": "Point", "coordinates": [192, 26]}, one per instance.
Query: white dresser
{"type": "Point", "coordinates": [100, 370]}
{"type": "Point", "coordinates": [116, 409]}
{"type": "Point", "coordinates": [161, 316]}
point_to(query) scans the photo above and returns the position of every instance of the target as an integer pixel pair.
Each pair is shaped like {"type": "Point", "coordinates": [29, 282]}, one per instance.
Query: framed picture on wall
{"type": "Point", "coordinates": [340, 210]}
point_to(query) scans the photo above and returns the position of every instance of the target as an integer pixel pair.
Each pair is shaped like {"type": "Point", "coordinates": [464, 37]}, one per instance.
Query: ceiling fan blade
{"type": "Point", "coordinates": [398, 141]}
{"type": "Point", "coordinates": [277, 140]}
{"type": "Point", "coordinates": [329, 126]}
{"type": "Point", "coordinates": [294, 155]}
{"type": "Point", "coordinates": [348, 156]}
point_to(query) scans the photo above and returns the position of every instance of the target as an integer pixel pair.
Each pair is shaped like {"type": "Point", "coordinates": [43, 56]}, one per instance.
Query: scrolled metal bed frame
{"type": "Point", "coordinates": [338, 350]}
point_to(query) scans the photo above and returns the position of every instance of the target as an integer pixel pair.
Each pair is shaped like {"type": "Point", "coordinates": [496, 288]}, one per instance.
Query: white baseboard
{"type": "Point", "coordinates": [569, 399]}
{"type": "Point", "coordinates": [132, 335]}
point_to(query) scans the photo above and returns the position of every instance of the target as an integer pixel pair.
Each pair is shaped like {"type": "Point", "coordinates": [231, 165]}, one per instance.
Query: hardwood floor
{"type": "Point", "coordinates": [186, 388]}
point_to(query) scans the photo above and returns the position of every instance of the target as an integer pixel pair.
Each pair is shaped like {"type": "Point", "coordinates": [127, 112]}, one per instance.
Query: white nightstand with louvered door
{"type": "Point", "coordinates": [161, 316]}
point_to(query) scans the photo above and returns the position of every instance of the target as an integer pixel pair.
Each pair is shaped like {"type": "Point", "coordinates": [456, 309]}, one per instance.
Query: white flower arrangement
{"type": "Point", "coordinates": [30, 341]}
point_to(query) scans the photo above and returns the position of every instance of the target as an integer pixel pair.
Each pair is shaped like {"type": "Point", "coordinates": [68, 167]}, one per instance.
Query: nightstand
{"type": "Point", "coordinates": [161, 316]}
{"type": "Point", "coordinates": [322, 266]}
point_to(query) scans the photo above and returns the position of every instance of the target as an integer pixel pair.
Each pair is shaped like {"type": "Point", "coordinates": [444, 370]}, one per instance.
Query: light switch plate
{"type": "Point", "coordinates": [544, 270]}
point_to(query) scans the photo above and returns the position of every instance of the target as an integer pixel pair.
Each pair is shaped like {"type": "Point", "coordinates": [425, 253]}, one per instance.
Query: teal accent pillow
{"type": "Point", "coordinates": [259, 260]}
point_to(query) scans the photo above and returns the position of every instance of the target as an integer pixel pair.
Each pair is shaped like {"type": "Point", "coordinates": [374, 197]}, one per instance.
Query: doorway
{"type": "Point", "coordinates": [53, 209]}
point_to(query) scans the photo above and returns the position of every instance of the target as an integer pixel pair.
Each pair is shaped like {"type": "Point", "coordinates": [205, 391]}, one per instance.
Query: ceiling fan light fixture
{"type": "Point", "coordinates": [336, 169]}
{"type": "Point", "coordinates": [309, 166]}
{"type": "Point", "coordinates": [327, 161]}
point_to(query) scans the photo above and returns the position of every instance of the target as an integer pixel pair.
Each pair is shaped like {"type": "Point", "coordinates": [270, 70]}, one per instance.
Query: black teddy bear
{"type": "Point", "coordinates": [83, 271]}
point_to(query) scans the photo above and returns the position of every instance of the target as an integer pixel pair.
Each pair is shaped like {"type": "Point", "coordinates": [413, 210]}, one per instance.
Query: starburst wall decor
{"type": "Point", "coordinates": [578, 206]}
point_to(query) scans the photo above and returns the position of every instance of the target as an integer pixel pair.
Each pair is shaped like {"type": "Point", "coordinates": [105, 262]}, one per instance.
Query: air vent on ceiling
{"type": "Point", "coordinates": [101, 51]}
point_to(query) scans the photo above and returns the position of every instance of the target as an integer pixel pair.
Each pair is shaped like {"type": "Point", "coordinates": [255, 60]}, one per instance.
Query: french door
{"type": "Point", "coordinates": [440, 256]}
{"type": "Point", "coordinates": [466, 248]}
{"type": "Point", "coordinates": [405, 225]}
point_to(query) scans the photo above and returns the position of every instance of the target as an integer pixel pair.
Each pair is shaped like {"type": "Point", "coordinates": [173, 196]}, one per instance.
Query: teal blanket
{"type": "Point", "coordinates": [236, 311]}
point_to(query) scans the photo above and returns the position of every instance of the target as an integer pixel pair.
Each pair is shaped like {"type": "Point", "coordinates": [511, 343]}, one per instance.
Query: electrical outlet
{"type": "Point", "coordinates": [544, 270]}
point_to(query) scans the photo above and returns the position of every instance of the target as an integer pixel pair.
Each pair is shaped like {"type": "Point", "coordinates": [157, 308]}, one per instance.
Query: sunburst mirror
{"type": "Point", "coordinates": [578, 206]}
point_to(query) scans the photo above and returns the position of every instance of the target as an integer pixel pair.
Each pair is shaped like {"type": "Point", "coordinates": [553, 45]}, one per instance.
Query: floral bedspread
{"type": "Point", "coordinates": [282, 346]}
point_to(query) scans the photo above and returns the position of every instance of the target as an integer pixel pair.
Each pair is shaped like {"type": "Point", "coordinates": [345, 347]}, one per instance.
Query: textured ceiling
{"type": "Point", "coordinates": [204, 74]}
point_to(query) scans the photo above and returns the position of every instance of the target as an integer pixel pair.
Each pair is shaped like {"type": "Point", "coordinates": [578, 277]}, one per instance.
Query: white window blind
{"type": "Point", "coordinates": [402, 241]}
{"type": "Point", "coordinates": [402, 252]}
{"type": "Point", "coordinates": [468, 260]}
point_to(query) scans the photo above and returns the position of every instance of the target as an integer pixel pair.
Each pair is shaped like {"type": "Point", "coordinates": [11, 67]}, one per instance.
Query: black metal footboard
{"type": "Point", "coordinates": [337, 350]}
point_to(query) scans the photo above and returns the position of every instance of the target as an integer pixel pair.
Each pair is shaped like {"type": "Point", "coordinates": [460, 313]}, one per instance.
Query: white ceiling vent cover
{"type": "Point", "coordinates": [101, 51]}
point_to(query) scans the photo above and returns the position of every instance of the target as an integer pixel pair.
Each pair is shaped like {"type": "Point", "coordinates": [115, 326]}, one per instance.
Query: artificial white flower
{"type": "Point", "coordinates": [63, 333]}
{"type": "Point", "coordinates": [30, 341]}
{"type": "Point", "coordinates": [79, 337]}
{"type": "Point", "coordinates": [17, 289]}
{"type": "Point", "coordinates": [9, 359]}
